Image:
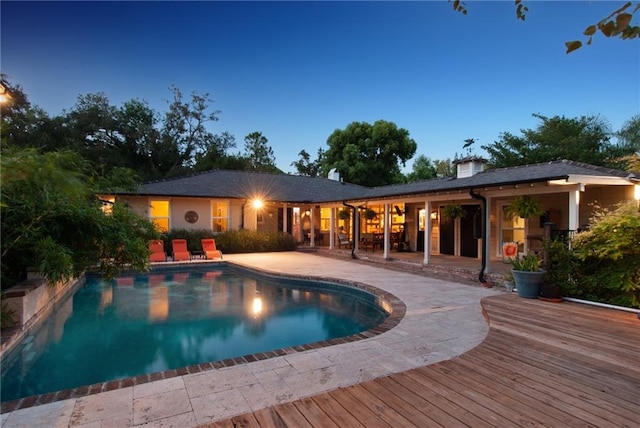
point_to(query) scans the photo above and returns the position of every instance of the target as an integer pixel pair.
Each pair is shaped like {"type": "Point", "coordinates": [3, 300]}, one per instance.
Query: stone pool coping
{"type": "Point", "coordinates": [395, 307]}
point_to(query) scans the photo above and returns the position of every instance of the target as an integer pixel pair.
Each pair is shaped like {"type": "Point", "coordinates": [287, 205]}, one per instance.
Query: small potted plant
{"type": "Point", "coordinates": [528, 275]}
{"type": "Point", "coordinates": [453, 210]}
{"type": "Point", "coordinates": [344, 214]}
{"type": "Point", "coordinates": [369, 214]}
{"type": "Point", "coordinates": [524, 206]}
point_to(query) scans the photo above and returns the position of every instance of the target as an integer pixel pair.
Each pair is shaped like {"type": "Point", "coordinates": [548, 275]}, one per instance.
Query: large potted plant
{"type": "Point", "coordinates": [527, 275]}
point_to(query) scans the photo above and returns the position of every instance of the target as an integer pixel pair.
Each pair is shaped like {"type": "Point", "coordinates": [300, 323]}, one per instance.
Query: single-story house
{"type": "Point", "coordinates": [404, 217]}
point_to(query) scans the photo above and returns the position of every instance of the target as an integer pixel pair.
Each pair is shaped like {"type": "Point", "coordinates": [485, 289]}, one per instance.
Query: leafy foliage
{"type": "Point", "coordinates": [524, 206]}
{"type": "Point", "coordinates": [422, 169]}
{"type": "Point", "coordinates": [561, 264]}
{"type": "Point", "coordinates": [253, 241]}
{"type": "Point", "coordinates": [259, 154]}
{"type": "Point", "coordinates": [234, 241]}
{"type": "Point", "coordinates": [528, 263]}
{"type": "Point", "coordinates": [305, 166]}
{"type": "Point", "coordinates": [369, 155]}
{"type": "Point", "coordinates": [616, 24]}
{"type": "Point", "coordinates": [453, 210]}
{"type": "Point", "coordinates": [584, 139]}
{"type": "Point", "coordinates": [52, 221]}
{"type": "Point", "coordinates": [609, 257]}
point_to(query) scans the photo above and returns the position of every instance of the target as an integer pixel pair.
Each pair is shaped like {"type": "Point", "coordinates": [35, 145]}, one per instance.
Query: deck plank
{"type": "Point", "coordinates": [542, 363]}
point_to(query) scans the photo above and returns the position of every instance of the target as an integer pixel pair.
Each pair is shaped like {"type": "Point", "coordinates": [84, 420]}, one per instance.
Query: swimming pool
{"type": "Point", "coordinates": [179, 317]}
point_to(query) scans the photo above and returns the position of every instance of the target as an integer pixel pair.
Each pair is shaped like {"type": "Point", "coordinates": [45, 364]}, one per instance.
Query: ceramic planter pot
{"type": "Point", "coordinates": [528, 284]}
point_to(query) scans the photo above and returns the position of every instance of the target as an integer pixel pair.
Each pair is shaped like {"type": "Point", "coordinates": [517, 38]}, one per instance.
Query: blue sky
{"type": "Point", "coordinates": [297, 71]}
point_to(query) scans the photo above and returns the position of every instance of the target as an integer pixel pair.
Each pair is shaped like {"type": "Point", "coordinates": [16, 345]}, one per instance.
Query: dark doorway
{"type": "Point", "coordinates": [420, 243]}
{"type": "Point", "coordinates": [447, 235]}
{"type": "Point", "coordinates": [468, 231]}
{"type": "Point", "coordinates": [289, 220]}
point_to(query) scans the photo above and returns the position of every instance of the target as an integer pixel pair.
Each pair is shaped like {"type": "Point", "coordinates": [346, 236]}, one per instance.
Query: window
{"type": "Point", "coordinates": [107, 204]}
{"type": "Point", "coordinates": [220, 216]}
{"type": "Point", "coordinates": [513, 229]}
{"type": "Point", "coordinates": [159, 215]}
{"type": "Point", "coordinates": [325, 218]}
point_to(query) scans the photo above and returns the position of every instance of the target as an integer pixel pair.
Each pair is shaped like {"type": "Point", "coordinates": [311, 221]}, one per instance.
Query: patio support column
{"type": "Point", "coordinates": [356, 229]}
{"type": "Point", "coordinates": [284, 218]}
{"type": "Point", "coordinates": [312, 235]}
{"type": "Point", "coordinates": [427, 233]}
{"type": "Point", "coordinates": [574, 209]}
{"type": "Point", "coordinates": [386, 231]}
{"type": "Point", "coordinates": [332, 227]}
{"type": "Point", "coordinates": [487, 234]}
{"type": "Point", "coordinates": [301, 236]}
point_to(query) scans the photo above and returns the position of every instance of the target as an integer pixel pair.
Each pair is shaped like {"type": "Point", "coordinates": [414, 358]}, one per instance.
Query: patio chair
{"type": "Point", "coordinates": [210, 250]}
{"type": "Point", "coordinates": [343, 239]}
{"type": "Point", "coordinates": [156, 247]}
{"type": "Point", "coordinates": [180, 251]}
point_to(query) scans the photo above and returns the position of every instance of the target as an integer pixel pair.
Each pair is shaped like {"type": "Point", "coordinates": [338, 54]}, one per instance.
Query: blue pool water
{"type": "Point", "coordinates": [174, 318]}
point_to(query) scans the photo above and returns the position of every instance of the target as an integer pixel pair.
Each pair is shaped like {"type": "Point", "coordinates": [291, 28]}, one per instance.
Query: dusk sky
{"type": "Point", "coordinates": [297, 71]}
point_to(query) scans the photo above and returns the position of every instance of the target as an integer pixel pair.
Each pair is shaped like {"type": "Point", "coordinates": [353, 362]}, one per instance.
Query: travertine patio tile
{"type": "Point", "coordinates": [218, 380]}
{"type": "Point", "coordinates": [158, 387]}
{"type": "Point", "coordinates": [308, 361]}
{"type": "Point", "coordinates": [267, 365]}
{"type": "Point", "coordinates": [178, 421]}
{"type": "Point", "coordinates": [104, 406]}
{"type": "Point", "coordinates": [219, 405]}
{"type": "Point", "coordinates": [56, 414]}
{"type": "Point", "coordinates": [151, 408]}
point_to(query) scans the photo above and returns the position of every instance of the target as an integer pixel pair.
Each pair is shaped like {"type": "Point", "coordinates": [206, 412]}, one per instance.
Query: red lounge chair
{"type": "Point", "coordinates": [157, 251]}
{"type": "Point", "coordinates": [210, 250]}
{"type": "Point", "coordinates": [180, 252]}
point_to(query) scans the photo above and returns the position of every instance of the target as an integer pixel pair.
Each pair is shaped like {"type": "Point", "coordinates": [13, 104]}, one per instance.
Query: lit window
{"type": "Point", "coordinates": [107, 204]}
{"type": "Point", "coordinates": [159, 215]}
{"type": "Point", "coordinates": [220, 216]}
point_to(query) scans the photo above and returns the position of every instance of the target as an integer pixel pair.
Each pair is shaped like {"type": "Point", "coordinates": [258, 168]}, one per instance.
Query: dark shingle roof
{"type": "Point", "coordinates": [540, 172]}
{"type": "Point", "coordinates": [294, 188]}
{"type": "Point", "coordinates": [248, 185]}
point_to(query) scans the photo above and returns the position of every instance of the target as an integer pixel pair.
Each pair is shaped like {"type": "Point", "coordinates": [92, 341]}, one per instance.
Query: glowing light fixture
{"type": "Point", "coordinates": [257, 203]}
{"type": "Point", "coordinates": [636, 192]}
{"type": "Point", "coordinates": [4, 94]}
{"type": "Point", "coordinates": [434, 215]}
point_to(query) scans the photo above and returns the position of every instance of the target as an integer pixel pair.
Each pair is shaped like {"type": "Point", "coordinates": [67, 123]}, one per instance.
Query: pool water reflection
{"type": "Point", "coordinates": [175, 318]}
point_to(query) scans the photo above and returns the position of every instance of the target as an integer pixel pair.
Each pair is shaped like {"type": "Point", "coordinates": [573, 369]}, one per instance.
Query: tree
{"type": "Point", "coordinates": [616, 24]}
{"type": "Point", "coordinates": [584, 139]}
{"type": "Point", "coordinates": [423, 169]}
{"type": "Point", "coordinates": [53, 222]}
{"type": "Point", "coordinates": [305, 166]}
{"type": "Point", "coordinates": [369, 154]}
{"type": "Point", "coordinates": [23, 124]}
{"type": "Point", "coordinates": [259, 154]}
{"type": "Point", "coordinates": [184, 134]}
{"type": "Point", "coordinates": [629, 140]}
{"type": "Point", "coordinates": [444, 168]}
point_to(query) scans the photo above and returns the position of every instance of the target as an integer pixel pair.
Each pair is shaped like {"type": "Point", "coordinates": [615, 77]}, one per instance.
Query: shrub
{"type": "Point", "coordinates": [608, 257]}
{"type": "Point", "coordinates": [561, 264]}
{"type": "Point", "coordinates": [235, 241]}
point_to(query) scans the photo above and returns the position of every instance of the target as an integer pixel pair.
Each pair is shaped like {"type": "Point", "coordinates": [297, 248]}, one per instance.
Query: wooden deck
{"type": "Point", "coordinates": [544, 364]}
